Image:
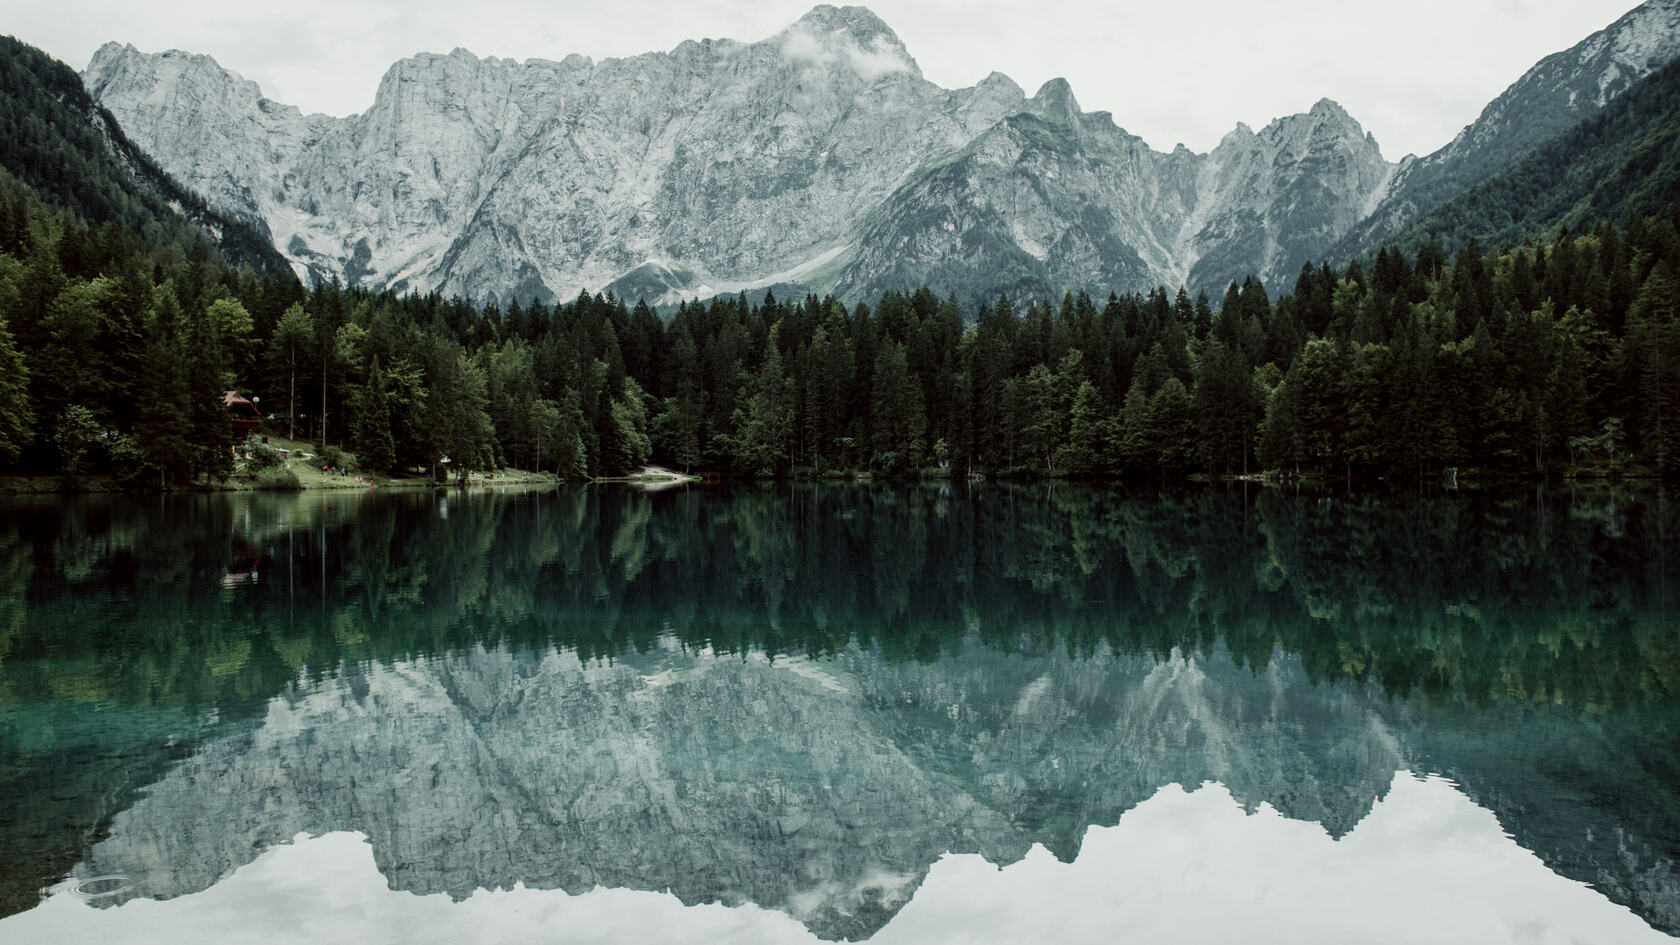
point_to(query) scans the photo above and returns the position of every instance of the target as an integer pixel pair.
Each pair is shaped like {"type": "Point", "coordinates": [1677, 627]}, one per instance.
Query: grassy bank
{"type": "Point", "coordinates": [300, 468]}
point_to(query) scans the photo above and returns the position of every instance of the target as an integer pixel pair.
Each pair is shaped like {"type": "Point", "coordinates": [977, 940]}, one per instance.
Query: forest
{"type": "Point", "coordinates": [1557, 356]}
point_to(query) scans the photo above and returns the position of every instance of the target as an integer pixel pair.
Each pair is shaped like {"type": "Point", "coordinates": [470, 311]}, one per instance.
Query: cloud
{"type": "Point", "coordinates": [882, 57]}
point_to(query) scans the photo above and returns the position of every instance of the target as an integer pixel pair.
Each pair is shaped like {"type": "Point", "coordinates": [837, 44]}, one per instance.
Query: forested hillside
{"type": "Point", "coordinates": [1534, 359]}
{"type": "Point", "coordinates": [55, 139]}
{"type": "Point", "coordinates": [1622, 162]}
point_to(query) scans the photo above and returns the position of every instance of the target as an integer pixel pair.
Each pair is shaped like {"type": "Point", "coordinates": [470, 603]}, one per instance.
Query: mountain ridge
{"type": "Point", "coordinates": [819, 158]}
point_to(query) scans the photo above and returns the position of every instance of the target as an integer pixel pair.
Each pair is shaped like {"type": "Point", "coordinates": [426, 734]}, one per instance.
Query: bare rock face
{"type": "Point", "coordinates": [819, 157]}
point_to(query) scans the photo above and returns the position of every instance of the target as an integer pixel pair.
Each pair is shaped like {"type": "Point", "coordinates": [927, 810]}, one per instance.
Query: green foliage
{"type": "Point", "coordinates": [1168, 432]}
{"type": "Point", "coordinates": [293, 336]}
{"type": "Point", "coordinates": [1653, 354]}
{"type": "Point", "coordinates": [17, 415]}
{"type": "Point", "coordinates": [1083, 452]}
{"type": "Point", "coordinates": [630, 422]}
{"type": "Point", "coordinates": [335, 458]}
{"type": "Point", "coordinates": [78, 433]}
{"type": "Point", "coordinates": [371, 422]}
{"type": "Point", "coordinates": [1227, 408]}
{"type": "Point", "coordinates": [277, 479]}
{"type": "Point", "coordinates": [261, 456]}
{"type": "Point", "coordinates": [460, 427]}
{"type": "Point", "coordinates": [163, 426]}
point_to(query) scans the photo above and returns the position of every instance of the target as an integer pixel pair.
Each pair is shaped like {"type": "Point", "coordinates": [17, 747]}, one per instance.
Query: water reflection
{"type": "Point", "coordinates": [802, 697]}
{"type": "Point", "coordinates": [1184, 866]}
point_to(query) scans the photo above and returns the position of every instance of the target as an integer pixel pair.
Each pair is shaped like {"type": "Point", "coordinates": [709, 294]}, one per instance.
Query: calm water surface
{"type": "Point", "coordinates": [797, 713]}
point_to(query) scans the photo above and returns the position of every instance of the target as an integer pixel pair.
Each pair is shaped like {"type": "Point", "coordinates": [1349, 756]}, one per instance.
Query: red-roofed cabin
{"type": "Point", "coordinates": [243, 413]}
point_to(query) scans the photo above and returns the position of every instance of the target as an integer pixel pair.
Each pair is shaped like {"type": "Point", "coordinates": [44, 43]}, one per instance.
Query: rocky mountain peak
{"type": "Point", "coordinates": [860, 22]}
{"type": "Point", "coordinates": [1000, 93]}
{"type": "Point", "coordinates": [1329, 110]}
{"type": "Point", "coordinates": [1325, 126]}
{"type": "Point", "coordinates": [1240, 136]}
{"type": "Point", "coordinates": [121, 61]}
{"type": "Point", "coordinates": [1328, 106]}
{"type": "Point", "coordinates": [853, 37]}
{"type": "Point", "coordinates": [997, 80]}
{"type": "Point", "coordinates": [1054, 101]}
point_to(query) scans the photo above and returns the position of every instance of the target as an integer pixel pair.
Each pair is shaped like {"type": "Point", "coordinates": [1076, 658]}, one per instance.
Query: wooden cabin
{"type": "Point", "coordinates": [242, 413]}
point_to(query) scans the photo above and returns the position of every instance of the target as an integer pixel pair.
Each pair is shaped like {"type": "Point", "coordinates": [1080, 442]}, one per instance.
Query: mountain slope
{"type": "Point", "coordinates": [1559, 92]}
{"type": "Point", "coordinates": [1623, 161]}
{"type": "Point", "coordinates": [72, 153]}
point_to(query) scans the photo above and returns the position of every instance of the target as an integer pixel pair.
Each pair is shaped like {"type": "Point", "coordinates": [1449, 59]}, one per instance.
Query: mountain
{"type": "Point", "coordinates": [1622, 162]}
{"type": "Point", "coordinates": [815, 157]}
{"type": "Point", "coordinates": [1054, 197]}
{"type": "Point", "coordinates": [818, 159]}
{"type": "Point", "coordinates": [72, 153]}
{"type": "Point", "coordinates": [1561, 91]}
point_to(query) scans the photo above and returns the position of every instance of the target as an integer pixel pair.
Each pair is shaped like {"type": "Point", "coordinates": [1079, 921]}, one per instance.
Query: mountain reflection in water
{"type": "Point", "coordinates": [802, 697]}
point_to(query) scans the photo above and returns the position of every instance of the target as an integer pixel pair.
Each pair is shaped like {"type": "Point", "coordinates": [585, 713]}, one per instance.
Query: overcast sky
{"type": "Point", "coordinates": [1170, 70]}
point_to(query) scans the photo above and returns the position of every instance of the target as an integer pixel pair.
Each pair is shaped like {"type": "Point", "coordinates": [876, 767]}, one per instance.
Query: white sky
{"type": "Point", "coordinates": [1170, 70]}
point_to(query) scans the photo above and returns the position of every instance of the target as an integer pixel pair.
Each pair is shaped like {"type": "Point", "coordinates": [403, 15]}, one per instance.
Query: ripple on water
{"type": "Point", "coordinates": [99, 887]}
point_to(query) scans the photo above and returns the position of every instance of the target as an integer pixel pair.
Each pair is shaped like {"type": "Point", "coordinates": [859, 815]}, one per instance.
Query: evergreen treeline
{"type": "Point", "coordinates": [1528, 360]}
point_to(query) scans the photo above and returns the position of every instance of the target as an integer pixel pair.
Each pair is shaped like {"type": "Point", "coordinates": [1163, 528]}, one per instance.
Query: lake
{"type": "Point", "coordinates": [782, 713]}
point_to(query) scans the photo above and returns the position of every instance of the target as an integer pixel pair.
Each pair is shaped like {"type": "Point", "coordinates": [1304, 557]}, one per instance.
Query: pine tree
{"type": "Point", "coordinates": [571, 461]}
{"type": "Point", "coordinates": [1320, 375]}
{"type": "Point", "coordinates": [163, 422]}
{"type": "Point", "coordinates": [1282, 438]}
{"type": "Point", "coordinates": [1082, 454]}
{"type": "Point", "coordinates": [630, 421]}
{"type": "Point", "coordinates": [461, 428]}
{"type": "Point", "coordinates": [1654, 345]}
{"type": "Point", "coordinates": [1226, 408]}
{"type": "Point", "coordinates": [894, 406]}
{"type": "Point", "coordinates": [1170, 427]}
{"type": "Point", "coordinates": [292, 340]}
{"type": "Point", "coordinates": [77, 433]}
{"type": "Point", "coordinates": [17, 416]}
{"type": "Point", "coordinates": [371, 423]}
{"type": "Point", "coordinates": [208, 378]}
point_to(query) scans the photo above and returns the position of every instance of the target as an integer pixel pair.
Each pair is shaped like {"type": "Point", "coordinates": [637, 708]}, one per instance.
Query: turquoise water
{"type": "Point", "coordinates": [778, 713]}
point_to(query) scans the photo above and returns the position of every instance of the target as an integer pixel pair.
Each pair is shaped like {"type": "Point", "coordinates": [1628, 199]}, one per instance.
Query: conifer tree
{"type": "Point", "coordinates": [293, 337]}
{"type": "Point", "coordinates": [371, 423]}
{"type": "Point", "coordinates": [163, 419]}
{"type": "Point", "coordinates": [17, 416]}
{"type": "Point", "coordinates": [1654, 346]}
